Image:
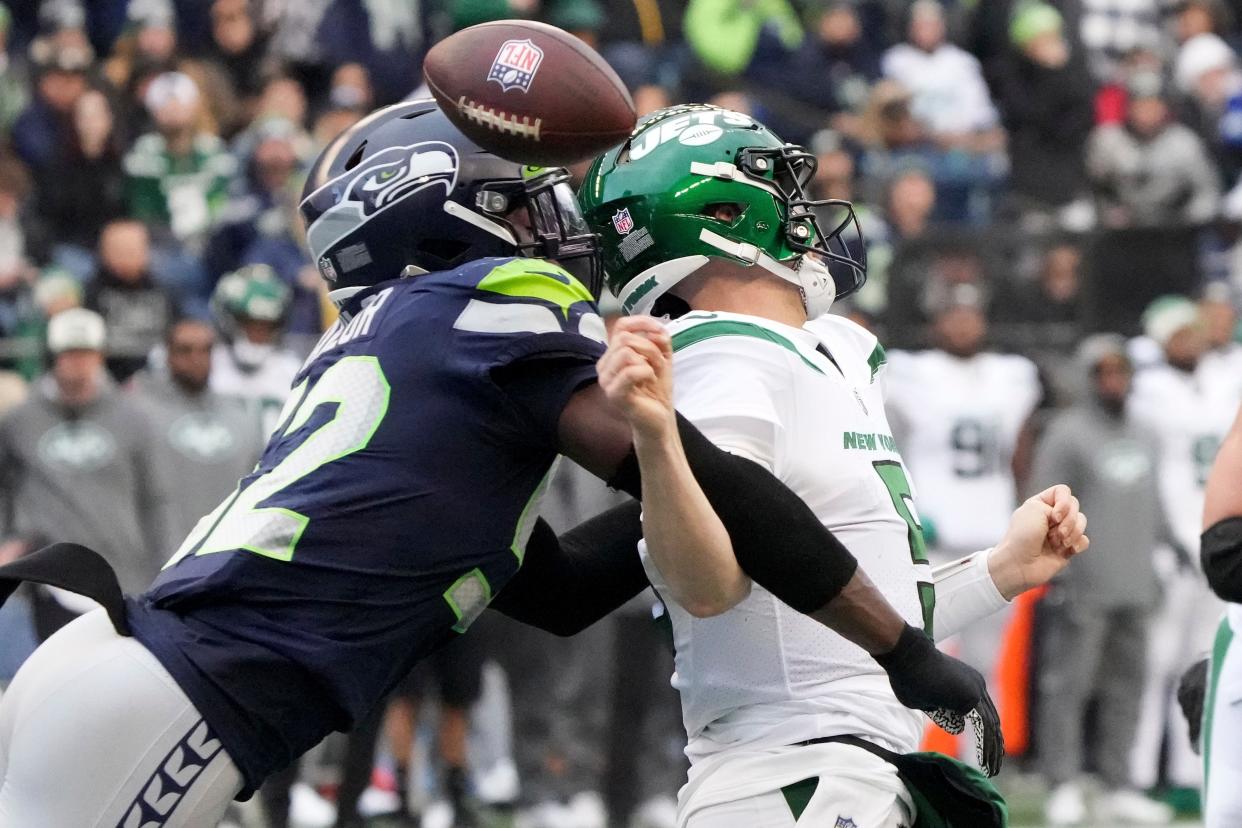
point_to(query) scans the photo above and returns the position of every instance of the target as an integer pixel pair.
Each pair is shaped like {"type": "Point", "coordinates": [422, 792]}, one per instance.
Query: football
{"type": "Point", "coordinates": [529, 92]}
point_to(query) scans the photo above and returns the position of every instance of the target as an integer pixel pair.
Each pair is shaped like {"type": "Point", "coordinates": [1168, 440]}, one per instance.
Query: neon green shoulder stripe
{"type": "Point", "coordinates": [731, 327]}
{"type": "Point", "coordinates": [536, 279]}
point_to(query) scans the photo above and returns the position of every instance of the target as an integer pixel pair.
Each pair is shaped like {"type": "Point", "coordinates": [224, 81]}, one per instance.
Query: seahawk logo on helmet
{"type": "Point", "coordinates": [388, 176]}
{"type": "Point", "coordinates": [403, 192]}
{"type": "Point", "coordinates": [703, 182]}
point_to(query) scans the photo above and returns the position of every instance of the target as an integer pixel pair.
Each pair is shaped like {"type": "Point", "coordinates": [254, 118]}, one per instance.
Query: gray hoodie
{"type": "Point", "coordinates": [1110, 463]}
{"type": "Point", "coordinates": [204, 443]}
{"type": "Point", "coordinates": [87, 476]}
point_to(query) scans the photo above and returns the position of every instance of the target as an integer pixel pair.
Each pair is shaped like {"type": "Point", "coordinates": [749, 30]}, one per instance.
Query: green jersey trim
{"type": "Point", "coordinates": [727, 327]}
{"type": "Point", "coordinates": [535, 279]}
{"type": "Point", "coordinates": [877, 358]}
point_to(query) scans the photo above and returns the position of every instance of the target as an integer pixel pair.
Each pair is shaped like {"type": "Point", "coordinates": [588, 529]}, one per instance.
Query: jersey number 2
{"type": "Point", "coordinates": [902, 495]}
{"type": "Point", "coordinates": [354, 392]}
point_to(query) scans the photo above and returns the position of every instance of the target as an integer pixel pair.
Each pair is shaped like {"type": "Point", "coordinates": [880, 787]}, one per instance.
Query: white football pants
{"type": "Point", "coordinates": [1180, 632]}
{"type": "Point", "coordinates": [1222, 723]}
{"type": "Point", "coordinates": [855, 789]}
{"type": "Point", "coordinates": [94, 733]}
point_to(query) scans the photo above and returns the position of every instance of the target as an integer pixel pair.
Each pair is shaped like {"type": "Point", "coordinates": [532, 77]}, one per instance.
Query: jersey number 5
{"type": "Point", "coordinates": [322, 423]}
{"type": "Point", "coordinates": [902, 495]}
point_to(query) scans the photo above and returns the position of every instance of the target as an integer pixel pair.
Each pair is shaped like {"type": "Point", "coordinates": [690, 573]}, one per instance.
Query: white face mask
{"type": "Point", "coordinates": [818, 289]}
{"type": "Point", "coordinates": [250, 355]}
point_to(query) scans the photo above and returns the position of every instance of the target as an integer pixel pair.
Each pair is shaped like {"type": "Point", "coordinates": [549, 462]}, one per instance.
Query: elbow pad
{"type": "Point", "coordinates": [1220, 552]}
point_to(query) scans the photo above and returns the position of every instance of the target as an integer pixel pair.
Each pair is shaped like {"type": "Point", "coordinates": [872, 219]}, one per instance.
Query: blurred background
{"type": "Point", "coordinates": [1051, 200]}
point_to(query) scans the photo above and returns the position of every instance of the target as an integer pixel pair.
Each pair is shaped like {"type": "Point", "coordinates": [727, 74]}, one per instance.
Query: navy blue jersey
{"type": "Point", "coordinates": [391, 503]}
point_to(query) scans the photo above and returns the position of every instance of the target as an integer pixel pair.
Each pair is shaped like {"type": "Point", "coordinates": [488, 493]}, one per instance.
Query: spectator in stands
{"type": "Point", "coordinates": [148, 43]}
{"type": "Point", "coordinates": [1099, 614]}
{"type": "Point", "coordinates": [76, 459]}
{"type": "Point", "coordinates": [46, 124]}
{"type": "Point", "coordinates": [643, 42]}
{"type": "Point", "coordinates": [949, 96]}
{"type": "Point", "coordinates": [1046, 101]}
{"type": "Point", "coordinates": [176, 181]}
{"type": "Point", "coordinates": [14, 85]}
{"type": "Point", "coordinates": [839, 63]}
{"type": "Point", "coordinates": [909, 204]}
{"type": "Point", "coordinates": [1112, 30]}
{"type": "Point", "coordinates": [204, 441]}
{"type": "Point", "coordinates": [17, 271]}
{"type": "Point", "coordinates": [1151, 171]}
{"type": "Point", "coordinates": [260, 224]}
{"type": "Point", "coordinates": [74, 208]}
{"type": "Point", "coordinates": [54, 291]}
{"type": "Point", "coordinates": [177, 178]}
{"type": "Point", "coordinates": [1207, 73]}
{"type": "Point", "coordinates": [239, 49]}
{"type": "Point", "coordinates": [731, 38]}
{"type": "Point", "coordinates": [136, 310]}
{"type": "Point", "coordinates": [1200, 17]}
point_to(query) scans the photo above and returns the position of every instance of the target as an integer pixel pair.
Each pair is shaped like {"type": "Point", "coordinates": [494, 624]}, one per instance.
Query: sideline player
{"type": "Point", "coordinates": [396, 499]}
{"type": "Point", "coordinates": [775, 707]}
{"type": "Point", "coordinates": [1190, 414]}
{"type": "Point", "coordinates": [1221, 555]}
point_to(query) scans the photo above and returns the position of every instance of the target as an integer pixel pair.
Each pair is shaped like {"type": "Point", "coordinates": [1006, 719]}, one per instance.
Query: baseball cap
{"type": "Point", "coordinates": [1201, 54]}
{"type": "Point", "coordinates": [169, 87]}
{"type": "Point", "coordinates": [76, 329]}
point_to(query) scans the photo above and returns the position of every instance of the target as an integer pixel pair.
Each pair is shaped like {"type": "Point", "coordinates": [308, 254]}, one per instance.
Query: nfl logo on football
{"type": "Point", "coordinates": [516, 64]}
{"type": "Point", "coordinates": [622, 222]}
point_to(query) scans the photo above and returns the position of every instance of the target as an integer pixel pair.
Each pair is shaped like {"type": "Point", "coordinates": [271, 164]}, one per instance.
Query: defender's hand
{"type": "Point", "coordinates": [950, 692]}
{"type": "Point", "coordinates": [636, 374]}
{"type": "Point", "coordinates": [1044, 534]}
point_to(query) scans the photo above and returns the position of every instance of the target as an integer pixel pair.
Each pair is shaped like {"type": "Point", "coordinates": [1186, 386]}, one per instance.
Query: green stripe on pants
{"type": "Point", "coordinates": [1220, 648]}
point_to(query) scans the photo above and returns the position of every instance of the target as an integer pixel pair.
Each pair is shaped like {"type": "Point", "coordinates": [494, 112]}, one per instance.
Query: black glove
{"type": "Point", "coordinates": [1191, 691]}
{"type": "Point", "coordinates": [950, 692]}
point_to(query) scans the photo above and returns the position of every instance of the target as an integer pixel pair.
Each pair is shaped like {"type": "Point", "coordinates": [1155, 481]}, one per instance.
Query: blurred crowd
{"type": "Point", "coordinates": [1051, 198]}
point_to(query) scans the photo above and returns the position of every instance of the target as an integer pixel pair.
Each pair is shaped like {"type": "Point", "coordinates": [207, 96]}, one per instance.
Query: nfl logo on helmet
{"type": "Point", "coordinates": [622, 222]}
{"type": "Point", "coordinates": [516, 64]}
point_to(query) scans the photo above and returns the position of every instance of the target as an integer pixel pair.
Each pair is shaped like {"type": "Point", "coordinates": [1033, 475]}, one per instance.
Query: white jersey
{"type": "Point", "coordinates": [1221, 370]}
{"type": "Point", "coordinates": [1190, 416]}
{"type": "Point", "coordinates": [958, 422]}
{"type": "Point", "coordinates": [266, 388]}
{"type": "Point", "coordinates": [763, 675]}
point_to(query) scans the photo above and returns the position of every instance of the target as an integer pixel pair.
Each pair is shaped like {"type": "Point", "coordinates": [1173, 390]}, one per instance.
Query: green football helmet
{"type": "Point", "coordinates": [656, 202]}
{"type": "Point", "coordinates": [252, 292]}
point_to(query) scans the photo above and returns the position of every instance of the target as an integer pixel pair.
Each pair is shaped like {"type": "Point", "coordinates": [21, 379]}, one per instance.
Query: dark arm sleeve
{"type": "Point", "coordinates": [1221, 556]}
{"type": "Point", "coordinates": [779, 542]}
{"type": "Point", "coordinates": [566, 584]}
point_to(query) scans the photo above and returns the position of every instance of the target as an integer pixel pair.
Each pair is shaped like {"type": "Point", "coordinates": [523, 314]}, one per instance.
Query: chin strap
{"type": "Point", "coordinates": [810, 275]}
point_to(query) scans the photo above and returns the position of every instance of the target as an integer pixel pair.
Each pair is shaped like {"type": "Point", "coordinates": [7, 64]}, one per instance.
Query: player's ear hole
{"type": "Point", "coordinates": [728, 212]}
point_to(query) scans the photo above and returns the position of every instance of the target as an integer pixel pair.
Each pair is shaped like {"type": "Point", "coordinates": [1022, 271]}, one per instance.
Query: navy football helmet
{"type": "Point", "coordinates": [403, 192]}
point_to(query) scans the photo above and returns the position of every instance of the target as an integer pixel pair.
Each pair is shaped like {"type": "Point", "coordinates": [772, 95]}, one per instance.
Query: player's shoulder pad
{"type": "Point", "coordinates": [703, 334]}
{"type": "Point", "coordinates": [851, 342]}
{"type": "Point", "coordinates": [532, 280]}
{"type": "Point", "coordinates": [519, 295]}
